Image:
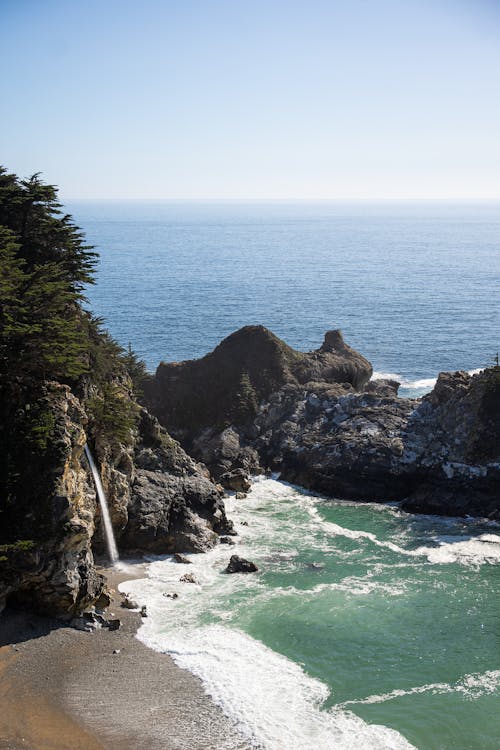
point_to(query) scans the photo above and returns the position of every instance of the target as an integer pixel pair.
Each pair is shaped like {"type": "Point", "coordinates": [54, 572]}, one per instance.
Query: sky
{"type": "Point", "coordinates": [253, 99]}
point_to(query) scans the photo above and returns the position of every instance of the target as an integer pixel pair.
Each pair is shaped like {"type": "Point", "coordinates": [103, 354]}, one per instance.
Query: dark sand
{"type": "Point", "coordinates": [63, 689]}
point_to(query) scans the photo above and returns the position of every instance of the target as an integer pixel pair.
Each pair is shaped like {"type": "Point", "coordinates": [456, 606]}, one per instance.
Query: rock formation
{"type": "Point", "coordinates": [440, 454]}
{"type": "Point", "coordinates": [320, 421]}
{"type": "Point", "coordinates": [204, 402]}
{"type": "Point", "coordinates": [159, 499]}
{"type": "Point", "coordinates": [226, 386]}
{"type": "Point", "coordinates": [240, 565]}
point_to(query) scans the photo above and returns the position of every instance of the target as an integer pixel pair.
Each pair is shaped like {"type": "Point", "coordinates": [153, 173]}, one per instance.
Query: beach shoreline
{"type": "Point", "coordinates": [64, 689]}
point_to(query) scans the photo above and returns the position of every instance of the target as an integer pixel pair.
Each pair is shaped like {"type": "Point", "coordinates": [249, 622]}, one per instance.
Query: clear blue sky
{"type": "Point", "coordinates": [253, 99]}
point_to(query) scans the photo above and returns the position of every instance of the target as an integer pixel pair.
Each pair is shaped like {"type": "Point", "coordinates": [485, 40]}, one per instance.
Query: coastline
{"type": "Point", "coordinates": [62, 688]}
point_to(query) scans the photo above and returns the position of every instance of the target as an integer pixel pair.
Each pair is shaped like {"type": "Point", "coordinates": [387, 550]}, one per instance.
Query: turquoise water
{"type": "Point", "coordinates": [413, 287]}
{"type": "Point", "coordinates": [388, 621]}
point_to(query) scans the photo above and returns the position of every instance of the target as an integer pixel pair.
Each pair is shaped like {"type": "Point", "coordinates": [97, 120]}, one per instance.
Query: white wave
{"type": "Point", "coordinates": [484, 548]}
{"type": "Point", "coordinates": [472, 686]}
{"type": "Point", "coordinates": [352, 585]}
{"type": "Point", "coordinates": [478, 550]}
{"type": "Point", "coordinates": [269, 698]}
{"type": "Point", "coordinates": [419, 384]}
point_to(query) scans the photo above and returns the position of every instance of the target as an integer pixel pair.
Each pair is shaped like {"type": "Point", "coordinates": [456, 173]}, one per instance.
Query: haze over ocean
{"type": "Point", "coordinates": [414, 287]}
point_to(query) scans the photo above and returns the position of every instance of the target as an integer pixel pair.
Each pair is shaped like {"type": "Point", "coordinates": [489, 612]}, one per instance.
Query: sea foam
{"type": "Point", "coordinates": [423, 385]}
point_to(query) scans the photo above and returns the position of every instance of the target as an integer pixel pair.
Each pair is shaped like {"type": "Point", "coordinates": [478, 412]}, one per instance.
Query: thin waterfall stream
{"type": "Point", "coordinates": [108, 527]}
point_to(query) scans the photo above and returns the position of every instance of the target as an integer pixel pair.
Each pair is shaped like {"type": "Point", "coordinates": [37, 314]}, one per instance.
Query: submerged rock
{"type": "Point", "coordinates": [240, 565]}
{"type": "Point", "coordinates": [188, 578]}
{"type": "Point", "coordinates": [181, 559]}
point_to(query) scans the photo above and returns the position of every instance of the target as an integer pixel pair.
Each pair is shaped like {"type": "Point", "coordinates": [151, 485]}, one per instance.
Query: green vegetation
{"type": "Point", "coordinates": [44, 268]}
{"type": "Point", "coordinates": [46, 335]}
{"type": "Point", "coordinates": [113, 413]}
{"type": "Point", "coordinates": [246, 399]}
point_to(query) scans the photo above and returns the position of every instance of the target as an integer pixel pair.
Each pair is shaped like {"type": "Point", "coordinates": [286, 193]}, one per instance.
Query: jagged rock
{"type": "Point", "coordinates": [159, 499]}
{"type": "Point", "coordinates": [173, 511]}
{"type": "Point", "coordinates": [103, 601]}
{"type": "Point", "coordinates": [81, 623]}
{"type": "Point", "coordinates": [236, 480]}
{"type": "Point", "coordinates": [173, 595]}
{"type": "Point", "coordinates": [182, 559]}
{"type": "Point", "coordinates": [144, 611]}
{"type": "Point", "coordinates": [225, 526]}
{"type": "Point", "coordinates": [226, 540]}
{"type": "Point", "coordinates": [240, 565]}
{"type": "Point", "coordinates": [187, 578]}
{"type": "Point", "coordinates": [90, 621]}
{"type": "Point", "coordinates": [224, 451]}
{"type": "Point", "coordinates": [440, 454]}
{"type": "Point", "coordinates": [241, 495]}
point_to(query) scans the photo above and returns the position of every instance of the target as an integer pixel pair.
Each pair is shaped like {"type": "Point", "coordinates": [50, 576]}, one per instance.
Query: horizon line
{"type": "Point", "coordinates": [222, 199]}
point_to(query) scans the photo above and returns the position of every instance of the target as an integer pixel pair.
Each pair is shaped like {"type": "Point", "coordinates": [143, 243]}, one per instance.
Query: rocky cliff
{"type": "Point", "coordinates": [159, 498]}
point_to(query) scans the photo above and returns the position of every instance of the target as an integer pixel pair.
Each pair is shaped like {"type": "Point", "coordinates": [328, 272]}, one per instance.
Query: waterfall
{"type": "Point", "coordinates": [108, 528]}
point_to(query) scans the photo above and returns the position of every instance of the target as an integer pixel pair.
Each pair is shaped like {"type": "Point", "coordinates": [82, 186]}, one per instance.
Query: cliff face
{"type": "Point", "coordinates": [159, 499]}
{"type": "Point", "coordinates": [46, 560]}
{"type": "Point", "coordinates": [226, 386]}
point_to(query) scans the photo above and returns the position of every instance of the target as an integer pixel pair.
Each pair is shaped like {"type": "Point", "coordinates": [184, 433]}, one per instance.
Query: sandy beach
{"type": "Point", "coordinates": [63, 689]}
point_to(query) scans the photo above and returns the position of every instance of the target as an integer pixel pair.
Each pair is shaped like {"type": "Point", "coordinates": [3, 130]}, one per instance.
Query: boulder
{"type": "Point", "coordinates": [236, 480]}
{"type": "Point", "coordinates": [128, 603]}
{"type": "Point", "coordinates": [240, 565]}
{"type": "Point", "coordinates": [181, 559]}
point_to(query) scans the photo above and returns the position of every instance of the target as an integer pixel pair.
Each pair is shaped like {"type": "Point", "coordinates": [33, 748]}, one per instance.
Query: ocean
{"type": "Point", "coordinates": [366, 627]}
{"type": "Point", "coordinates": [413, 287]}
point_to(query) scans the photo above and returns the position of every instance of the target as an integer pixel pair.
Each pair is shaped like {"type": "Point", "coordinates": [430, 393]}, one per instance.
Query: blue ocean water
{"type": "Point", "coordinates": [415, 288]}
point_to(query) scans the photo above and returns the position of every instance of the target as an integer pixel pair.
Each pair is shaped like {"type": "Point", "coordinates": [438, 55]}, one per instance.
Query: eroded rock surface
{"type": "Point", "coordinates": [440, 454]}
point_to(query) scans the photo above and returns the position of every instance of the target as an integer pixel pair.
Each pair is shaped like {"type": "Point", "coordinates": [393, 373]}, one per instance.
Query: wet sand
{"type": "Point", "coordinates": [63, 689]}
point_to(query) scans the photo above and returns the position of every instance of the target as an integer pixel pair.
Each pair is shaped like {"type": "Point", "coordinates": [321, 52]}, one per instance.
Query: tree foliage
{"type": "Point", "coordinates": [44, 265]}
